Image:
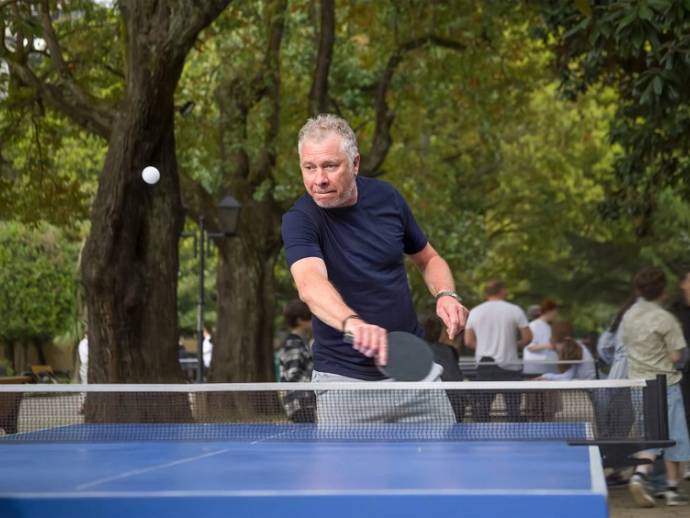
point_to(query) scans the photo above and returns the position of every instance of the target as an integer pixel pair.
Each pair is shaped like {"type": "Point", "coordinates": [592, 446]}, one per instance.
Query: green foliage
{"type": "Point", "coordinates": [642, 49]}
{"type": "Point", "coordinates": [6, 367]}
{"type": "Point", "coordinates": [48, 169]}
{"type": "Point", "coordinates": [37, 282]}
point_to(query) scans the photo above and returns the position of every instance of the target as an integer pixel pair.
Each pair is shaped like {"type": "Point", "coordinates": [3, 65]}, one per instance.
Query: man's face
{"type": "Point", "coordinates": [327, 174]}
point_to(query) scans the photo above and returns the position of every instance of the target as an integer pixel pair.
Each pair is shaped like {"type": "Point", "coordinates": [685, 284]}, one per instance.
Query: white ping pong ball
{"type": "Point", "coordinates": [151, 175]}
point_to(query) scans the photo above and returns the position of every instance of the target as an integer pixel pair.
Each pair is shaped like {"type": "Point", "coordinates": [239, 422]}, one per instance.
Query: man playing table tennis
{"type": "Point", "coordinates": [345, 242]}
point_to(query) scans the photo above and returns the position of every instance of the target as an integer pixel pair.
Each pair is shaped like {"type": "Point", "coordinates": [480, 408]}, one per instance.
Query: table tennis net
{"type": "Point", "coordinates": [596, 410]}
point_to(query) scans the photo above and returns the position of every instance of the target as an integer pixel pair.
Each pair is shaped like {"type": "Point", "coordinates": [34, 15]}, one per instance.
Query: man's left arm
{"type": "Point", "coordinates": [439, 280]}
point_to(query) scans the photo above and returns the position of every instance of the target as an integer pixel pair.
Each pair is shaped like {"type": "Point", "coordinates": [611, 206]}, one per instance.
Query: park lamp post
{"type": "Point", "coordinates": [229, 215]}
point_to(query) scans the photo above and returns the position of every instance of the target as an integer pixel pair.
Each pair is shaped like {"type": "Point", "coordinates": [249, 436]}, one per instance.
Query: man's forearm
{"type": "Point", "coordinates": [325, 302]}
{"type": "Point", "coordinates": [525, 337]}
{"type": "Point", "coordinates": [437, 276]}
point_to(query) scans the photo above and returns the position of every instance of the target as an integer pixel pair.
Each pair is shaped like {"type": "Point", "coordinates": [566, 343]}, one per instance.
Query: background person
{"type": "Point", "coordinates": [447, 357]}
{"type": "Point", "coordinates": [681, 310]}
{"type": "Point", "coordinates": [492, 330]}
{"type": "Point", "coordinates": [533, 311]}
{"type": "Point", "coordinates": [570, 350]}
{"type": "Point", "coordinates": [541, 348]}
{"type": "Point", "coordinates": [83, 350]}
{"type": "Point", "coordinates": [615, 415]}
{"type": "Point", "coordinates": [541, 406]}
{"type": "Point", "coordinates": [207, 348]}
{"type": "Point", "coordinates": [296, 363]}
{"type": "Point", "coordinates": [654, 342]}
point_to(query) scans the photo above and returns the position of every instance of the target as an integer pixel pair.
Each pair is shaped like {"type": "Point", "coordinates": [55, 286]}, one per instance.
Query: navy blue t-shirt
{"type": "Point", "coordinates": [363, 247]}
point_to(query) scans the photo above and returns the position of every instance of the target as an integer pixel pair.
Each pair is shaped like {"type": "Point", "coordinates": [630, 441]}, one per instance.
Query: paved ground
{"type": "Point", "coordinates": [621, 505]}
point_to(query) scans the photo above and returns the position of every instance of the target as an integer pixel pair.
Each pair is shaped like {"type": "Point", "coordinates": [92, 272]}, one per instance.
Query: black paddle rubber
{"type": "Point", "coordinates": [409, 357]}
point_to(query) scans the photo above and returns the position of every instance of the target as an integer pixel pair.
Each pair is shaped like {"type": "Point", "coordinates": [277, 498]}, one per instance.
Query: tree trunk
{"type": "Point", "coordinates": [38, 343]}
{"type": "Point", "coordinates": [130, 262]}
{"type": "Point", "coordinates": [244, 351]}
{"type": "Point", "coordinates": [130, 259]}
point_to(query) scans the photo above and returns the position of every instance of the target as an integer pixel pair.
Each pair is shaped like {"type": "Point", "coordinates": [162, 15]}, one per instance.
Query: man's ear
{"type": "Point", "coordinates": [355, 164]}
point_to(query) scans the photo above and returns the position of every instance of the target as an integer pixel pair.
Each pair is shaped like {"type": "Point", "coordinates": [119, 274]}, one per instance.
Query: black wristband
{"type": "Point", "coordinates": [349, 317]}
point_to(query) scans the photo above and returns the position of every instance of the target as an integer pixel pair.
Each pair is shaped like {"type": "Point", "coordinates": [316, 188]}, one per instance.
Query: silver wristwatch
{"type": "Point", "coordinates": [448, 293]}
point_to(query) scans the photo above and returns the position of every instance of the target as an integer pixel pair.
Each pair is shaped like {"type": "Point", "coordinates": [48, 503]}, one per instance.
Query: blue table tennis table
{"type": "Point", "coordinates": [275, 473]}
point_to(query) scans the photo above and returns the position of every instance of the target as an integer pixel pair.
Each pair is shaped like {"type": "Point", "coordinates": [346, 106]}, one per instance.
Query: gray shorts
{"type": "Point", "coordinates": [337, 407]}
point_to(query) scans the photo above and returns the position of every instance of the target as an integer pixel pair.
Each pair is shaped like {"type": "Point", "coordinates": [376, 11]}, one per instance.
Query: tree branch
{"type": "Point", "coordinates": [198, 201]}
{"type": "Point", "coordinates": [271, 74]}
{"type": "Point", "coordinates": [237, 96]}
{"type": "Point", "coordinates": [85, 102]}
{"type": "Point", "coordinates": [318, 94]}
{"type": "Point", "coordinates": [5, 3]}
{"type": "Point", "coordinates": [95, 122]}
{"type": "Point", "coordinates": [234, 98]}
{"type": "Point", "coordinates": [198, 14]}
{"type": "Point", "coordinates": [3, 49]}
{"type": "Point", "coordinates": [372, 160]}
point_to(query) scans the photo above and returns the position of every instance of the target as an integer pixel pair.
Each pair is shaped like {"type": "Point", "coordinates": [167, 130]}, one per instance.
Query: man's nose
{"type": "Point", "coordinates": [321, 176]}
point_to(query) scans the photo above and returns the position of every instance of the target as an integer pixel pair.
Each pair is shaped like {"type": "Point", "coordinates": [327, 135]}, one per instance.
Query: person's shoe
{"type": "Point", "coordinates": [639, 489]}
{"type": "Point", "coordinates": [675, 496]}
{"type": "Point", "coordinates": [659, 492]}
{"type": "Point", "coordinates": [615, 480]}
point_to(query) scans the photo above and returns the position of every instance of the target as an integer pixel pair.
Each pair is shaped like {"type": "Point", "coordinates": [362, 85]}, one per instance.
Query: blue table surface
{"type": "Point", "coordinates": [273, 476]}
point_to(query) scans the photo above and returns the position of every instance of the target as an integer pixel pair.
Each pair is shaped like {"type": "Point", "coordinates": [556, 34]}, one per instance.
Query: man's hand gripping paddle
{"type": "Point", "coordinates": [409, 358]}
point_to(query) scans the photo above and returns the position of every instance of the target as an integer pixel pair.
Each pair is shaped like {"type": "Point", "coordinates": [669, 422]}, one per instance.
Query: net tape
{"type": "Point", "coordinates": [327, 411]}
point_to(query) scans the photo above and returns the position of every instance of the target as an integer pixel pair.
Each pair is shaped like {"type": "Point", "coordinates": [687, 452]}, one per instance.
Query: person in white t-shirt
{"type": "Point", "coordinates": [496, 329]}
{"type": "Point", "coordinates": [541, 406]}
{"type": "Point", "coordinates": [207, 348]}
{"type": "Point", "coordinates": [83, 350]}
{"type": "Point", "coordinates": [541, 348]}
{"type": "Point", "coordinates": [570, 350]}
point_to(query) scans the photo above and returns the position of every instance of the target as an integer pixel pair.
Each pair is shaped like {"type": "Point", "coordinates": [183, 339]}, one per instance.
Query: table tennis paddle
{"type": "Point", "coordinates": [409, 357]}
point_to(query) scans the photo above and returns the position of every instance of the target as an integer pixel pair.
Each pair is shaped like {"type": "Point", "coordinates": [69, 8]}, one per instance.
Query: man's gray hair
{"type": "Point", "coordinates": [319, 127]}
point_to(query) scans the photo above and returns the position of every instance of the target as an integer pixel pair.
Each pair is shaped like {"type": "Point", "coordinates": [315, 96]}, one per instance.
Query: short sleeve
{"type": "Point", "coordinates": [520, 318]}
{"type": "Point", "coordinates": [673, 335]}
{"type": "Point", "coordinates": [300, 237]}
{"type": "Point", "coordinates": [414, 240]}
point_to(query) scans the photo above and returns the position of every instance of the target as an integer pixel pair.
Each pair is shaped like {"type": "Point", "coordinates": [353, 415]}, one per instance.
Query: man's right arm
{"type": "Point", "coordinates": [525, 336]}
{"type": "Point", "coordinates": [324, 301]}
{"type": "Point", "coordinates": [522, 325]}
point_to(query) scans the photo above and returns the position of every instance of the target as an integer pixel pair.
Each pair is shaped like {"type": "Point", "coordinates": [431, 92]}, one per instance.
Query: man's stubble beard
{"type": "Point", "coordinates": [341, 200]}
